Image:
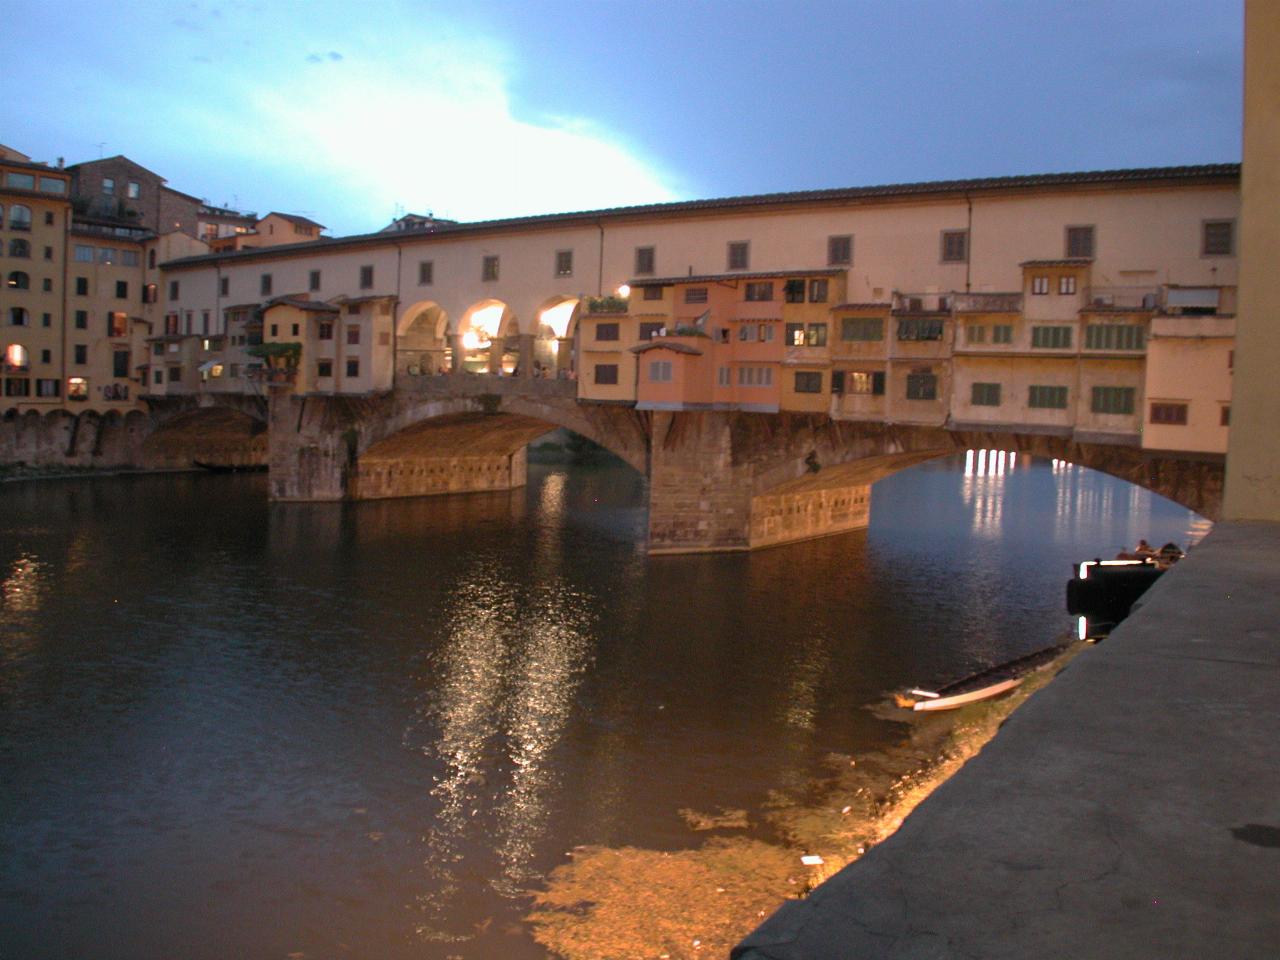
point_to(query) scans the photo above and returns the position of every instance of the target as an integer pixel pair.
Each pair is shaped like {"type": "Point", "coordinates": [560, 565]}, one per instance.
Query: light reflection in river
{"type": "Point", "coordinates": [22, 588]}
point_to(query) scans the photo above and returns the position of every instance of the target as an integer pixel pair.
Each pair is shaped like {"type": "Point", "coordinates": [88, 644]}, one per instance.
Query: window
{"type": "Point", "coordinates": [746, 333]}
{"type": "Point", "coordinates": [975, 333]}
{"type": "Point", "coordinates": [695, 294]}
{"type": "Point", "coordinates": [17, 317]}
{"type": "Point", "coordinates": [922, 386]}
{"type": "Point", "coordinates": [16, 358]}
{"type": "Point", "coordinates": [840, 249]}
{"type": "Point", "coordinates": [1051, 338]}
{"type": "Point", "coordinates": [18, 280]}
{"type": "Point", "coordinates": [985, 395]}
{"type": "Point", "coordinates": [46, 320]}
{"type": "Point", "coordinates": [755, 376]}
{"type": "Point", "coordinates": [17, 387]}
{"type": "Point", "coordinates": [739, 255]}
{"type": "Point", "coordinates": [83, 253]}
{"type": "Point", "coordinates": [133, 190]}
{"type": "Point", "coordinates": [1039, 285]}
{"type": "Point", "coordinates": [82, 286]}
{"type": "Point", "coordinates": [158, 375]}
{"type": "Point", "coordinates": [808, 381]}
{"type": "Point", "coordinates": [353, 367]}
{"type": "Point", "coordinates": [794, 333]}
{"type": "Point", "coordinates": [264, 285]}
{"type": "Point", "coordinates": [607, 374]}
{"type": "Point", "coordinates": [426, 273]}
{"type": "Point", "coordinates": [1113, 399]}
{"type": "Point", "coordinates": [325, 330]}
{"type": "Point", "coordinates": [366, 278]}
{"type": "Point", "coordinates": [1174, 414]}
{"type": "Point", "coordinates": [489, 268]}
{"type": "Point", "coordinates": [52, 185]}
{"type": "Point", "coordinates": [19, 216]}
{"type": "Point", "coordinates": [1224, 417]}
{"type": "Point", "coordinates": [82, 319]}
{"type": "Point", "coordinates": [650, 329]}
{"type": "Point", "coordinates": [275, 329]}
{"type": "Point", "coordinates": [21, 181]}
{"type": "Point", "coordinates": [122, 289]}
{"type": "Point", "coordinates": [353, 334]}
{"type": "Point", "coordinates": [1114, 336]}
{"type": "Point", "coordinates": [151, 259]}
{"type": "Point", "coordinates": [653, 293]}
{"type": "Point", "coordinates": [765, 332]}
{"type": "Point", "coordinates": [564, 263]}
{"type": "Point", "coordinates": [759, 291]}
{"type": "Point", "coordinates": [108, 255]}
{"type": "Point", "coordinates": [120, 363]}
{"type": "Point", "coordinates": [724, 377]}
{"type": "Point", "coordinates": [117, 324]}
{"type": "Point", "coordinates": [645, 259]}
{"type": "Point", "coordinates": [150, 293]}
{"type": "Point", "coordinates": [920, 328]}
{"type": "Point", "coordinates": [1066, 285]}
{"type": "Point", "coordinates": [108, 186]}
{"type": "Point", "coordinates": [862, 328]}
{"type": "Point", "coordinates": [818, 291]}
{"type": "Point", "coordinates": [1218, 238]}
{"type": "Point", "coordinates": [816, 335]}
{"type": "Point", "coordinates": [793, 291]}
{"type": "Point", "coordinates": [81, 353]}
{"type": "Point", "coordinates": [607, 331]}
{"type": "Point", "coordinates": [1002, 333]}
{"type": "Point", "coordinates": [660, 371]}
{"type": "Point", "coordinates": [837, 381]}
{"type": "Point", "coordinates": [77, 388]}
{"type": "Point", "coordinates": [19, 248]}
{"type": "Point", "coordinates": [175, 374]}
{"type": "Point", "coordinates": [313, 280]}
{"type": "Point", "coordinates": [955, 246]}
{"type": "Point", "coordinates": [46, 356]}
{"type": "Point", "coordinates": [47, 388]}
{"type": "Point", "coordinates": [1047, 398]}
{"type": "Point", "coordinates": [324, 368]}
{"type": "Point", "coordinates": [1079, 241]}
{"type": "Point", "coordinates": [173, 289]}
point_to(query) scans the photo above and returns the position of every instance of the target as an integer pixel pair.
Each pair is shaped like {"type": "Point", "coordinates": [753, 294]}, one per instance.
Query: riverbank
{"type": "Point", "coordinates": [699, 902]}
{"type": "Point", "coordinates": [14, 472]}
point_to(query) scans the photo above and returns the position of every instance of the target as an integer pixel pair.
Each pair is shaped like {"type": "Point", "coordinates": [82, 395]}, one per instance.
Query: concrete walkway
{"type": "Point", "coordinates": [1129, 810]}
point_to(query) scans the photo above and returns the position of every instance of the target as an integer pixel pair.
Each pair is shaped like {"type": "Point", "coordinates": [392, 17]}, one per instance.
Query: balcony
{"type": "Point", "coordinates": [1121, 299]}
{"type": "Point", "coordinates": [1192, 326]}
{"type": "Point", "coordinates": [923, 302]}
{"type": "Point", "coordinates": [987, 302]}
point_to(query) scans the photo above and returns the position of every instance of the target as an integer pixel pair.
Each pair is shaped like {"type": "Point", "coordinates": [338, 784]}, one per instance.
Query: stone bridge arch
{"type": "Point", "coordinates": [225, 431]}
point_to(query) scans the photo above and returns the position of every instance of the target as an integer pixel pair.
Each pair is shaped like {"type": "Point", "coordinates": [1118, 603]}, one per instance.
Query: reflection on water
{"type": "Point", "coordinates": [230, 728]}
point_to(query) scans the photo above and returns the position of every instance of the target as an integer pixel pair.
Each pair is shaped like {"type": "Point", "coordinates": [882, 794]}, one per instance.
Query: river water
{"type": "Point", "coordinates": [236, 729]}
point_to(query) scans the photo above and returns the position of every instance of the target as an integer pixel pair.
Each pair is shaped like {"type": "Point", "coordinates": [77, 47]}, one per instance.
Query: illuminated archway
{"type": "Point", "coordinates": [557, 324]}
{"type": "Point", "coordinates": [422, 343]}
{"type": "Point", "coordinates": [482, 334]}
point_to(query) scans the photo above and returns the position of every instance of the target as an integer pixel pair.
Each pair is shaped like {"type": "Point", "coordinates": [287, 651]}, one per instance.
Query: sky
{"type": "Point", "coordinates": [354, 112]}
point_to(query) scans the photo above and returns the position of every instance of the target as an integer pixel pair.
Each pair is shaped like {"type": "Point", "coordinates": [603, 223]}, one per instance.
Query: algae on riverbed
{"type": "Point", "coordinates": [629, 903]}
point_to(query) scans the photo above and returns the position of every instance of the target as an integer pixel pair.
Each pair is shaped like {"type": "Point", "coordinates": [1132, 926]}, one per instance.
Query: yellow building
{"type": "Point", "coordinates": [35, 211]}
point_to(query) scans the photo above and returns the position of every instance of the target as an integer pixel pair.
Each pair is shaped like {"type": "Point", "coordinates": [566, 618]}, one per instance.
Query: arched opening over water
{"type": "Point", "coordinates": [555, 336]}
{"type": "Point", "coordinates": [210, 436]}
{"type": "Point", "coordinates": [483, 330]}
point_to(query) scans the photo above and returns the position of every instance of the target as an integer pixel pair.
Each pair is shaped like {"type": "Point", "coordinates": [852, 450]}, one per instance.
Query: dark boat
{"type": "Point", "coordinates": [982, 685]}
{"type": "Point", "coordinates": [230, 468]}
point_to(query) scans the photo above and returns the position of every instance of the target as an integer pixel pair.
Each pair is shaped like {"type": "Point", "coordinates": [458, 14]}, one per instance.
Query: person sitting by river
{"type": "Point", "coordinates": [1144, 550]}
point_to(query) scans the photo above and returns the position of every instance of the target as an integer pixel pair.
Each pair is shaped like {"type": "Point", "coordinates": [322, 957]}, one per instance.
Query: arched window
{"type": "Point", "coordinates": [19, 217]}
{"type": "Point", "coordinates": [18, 317]}
{"type": "Point", "coordinates": [19, 248]}
{"type": "Point", "coordinates": [19, 280]}
{"type": "Point", "coordinates": [16, 358]}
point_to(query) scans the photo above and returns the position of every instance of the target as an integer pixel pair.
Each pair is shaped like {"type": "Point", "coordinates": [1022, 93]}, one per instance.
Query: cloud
{"type": "Point", "coordinates": [443, 138]}
{"type": "Point", "coordinates": [314, 58]}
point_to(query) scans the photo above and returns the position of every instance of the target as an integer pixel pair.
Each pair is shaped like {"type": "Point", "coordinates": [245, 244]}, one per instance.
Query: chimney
{"type": "Point", "coordinates": [61, 161]}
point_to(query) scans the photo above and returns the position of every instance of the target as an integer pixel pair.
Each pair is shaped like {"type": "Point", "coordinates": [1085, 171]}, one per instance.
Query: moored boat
{"type": "Point", "coordinates": [983, 685]}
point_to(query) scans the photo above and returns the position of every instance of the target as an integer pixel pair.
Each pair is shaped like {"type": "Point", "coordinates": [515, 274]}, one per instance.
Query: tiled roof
{"type": "Point", "coordinates": [942, 188]}
{"type": "Point", "coordinates": [871, 305]}
{"type": "Point", "coordinates": [665, 345]}
{"type": "Point", "coordinates": [296, 220]}
{"type": "Point", "coordinates": [310, 306]}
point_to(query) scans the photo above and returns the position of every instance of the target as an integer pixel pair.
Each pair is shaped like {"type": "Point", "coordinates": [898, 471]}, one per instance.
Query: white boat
{"type": "Point", "coordinates": [936, 701]}
{"type": "Point", "coordinates": [982, 685]}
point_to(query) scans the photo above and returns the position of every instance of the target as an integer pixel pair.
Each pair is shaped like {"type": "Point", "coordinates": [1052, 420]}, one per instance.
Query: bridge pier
{"type": "Point", "coordinates": [699, 501]}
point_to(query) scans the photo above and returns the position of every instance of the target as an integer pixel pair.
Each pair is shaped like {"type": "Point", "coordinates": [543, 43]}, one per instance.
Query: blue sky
{"type": "Point", "coordinates": [349, 112]}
